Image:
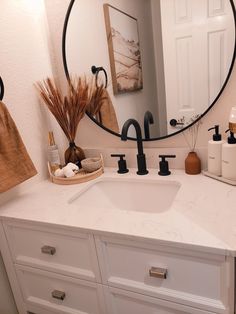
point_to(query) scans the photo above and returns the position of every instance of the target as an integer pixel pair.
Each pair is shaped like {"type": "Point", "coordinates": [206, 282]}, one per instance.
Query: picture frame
{"type": "Point", "coordinates": [124, 50]}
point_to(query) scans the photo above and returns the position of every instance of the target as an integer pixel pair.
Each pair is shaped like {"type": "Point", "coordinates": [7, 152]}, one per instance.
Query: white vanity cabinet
{"type": "Point", "coordinates": [56, 270]}
{"type": "Point", "coordinates": [72, 272]}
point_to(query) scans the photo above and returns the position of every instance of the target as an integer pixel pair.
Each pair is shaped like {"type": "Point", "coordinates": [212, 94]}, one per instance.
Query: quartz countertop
{"type": "Point", "coordinates": [202, 216]}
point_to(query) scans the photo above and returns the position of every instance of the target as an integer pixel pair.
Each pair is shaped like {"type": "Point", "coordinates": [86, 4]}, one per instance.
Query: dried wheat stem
{"type": "Point", "coordinates": [68, 110]}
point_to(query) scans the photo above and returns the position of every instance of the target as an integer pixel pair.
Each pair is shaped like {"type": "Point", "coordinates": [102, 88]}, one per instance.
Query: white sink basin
{"type": "Point", "coordinates": [128, 194]}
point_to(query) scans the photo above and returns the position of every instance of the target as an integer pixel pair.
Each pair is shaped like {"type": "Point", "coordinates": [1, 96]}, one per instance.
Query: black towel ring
{"type": "Point", "coordinates": [1, 89]}
{"type": "Point", "coordinates": [95, 70]}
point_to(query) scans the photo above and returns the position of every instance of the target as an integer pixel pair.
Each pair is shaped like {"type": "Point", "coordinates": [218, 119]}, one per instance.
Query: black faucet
{"type": "Point", "coordinates": [141, 159]}
{"type": "Point", "coordinates": [148, 119]}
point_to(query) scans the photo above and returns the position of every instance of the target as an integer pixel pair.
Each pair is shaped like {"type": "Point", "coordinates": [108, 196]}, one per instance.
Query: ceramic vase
{"type": "Point", "coordinates": [192, 163]}
{"type": "Point", "coordinates": [74, 154]}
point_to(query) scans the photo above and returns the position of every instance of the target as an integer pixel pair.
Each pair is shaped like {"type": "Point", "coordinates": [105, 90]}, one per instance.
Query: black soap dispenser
{"type": "Point", "coordinates": [215, 152]}
{"type": "Point", "coordinates": [229, 158]}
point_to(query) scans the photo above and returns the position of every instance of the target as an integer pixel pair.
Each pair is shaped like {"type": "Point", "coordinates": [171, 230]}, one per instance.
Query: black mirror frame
{"type": "Point", "coordinates": [1, 89]}
{"type": "Point", "coordinates": [157, 138]}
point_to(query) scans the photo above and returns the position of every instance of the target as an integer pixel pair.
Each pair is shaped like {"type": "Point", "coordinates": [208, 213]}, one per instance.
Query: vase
{"type": "Point", "coordinates": [74, 154]}
{"type": "Point", "coordinates": [192, 163]}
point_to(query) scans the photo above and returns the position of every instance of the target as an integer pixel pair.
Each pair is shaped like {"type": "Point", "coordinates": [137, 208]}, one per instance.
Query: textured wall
{"type": "Point", "coordinates": [24, 59]}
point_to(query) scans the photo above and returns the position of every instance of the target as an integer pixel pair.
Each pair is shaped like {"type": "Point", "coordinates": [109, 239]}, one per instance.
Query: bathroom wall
{"type": "Point", "coordinates": [24, 59]}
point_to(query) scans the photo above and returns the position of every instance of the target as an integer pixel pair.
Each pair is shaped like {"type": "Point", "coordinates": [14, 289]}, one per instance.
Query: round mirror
{"type": "Point", "coordinates": [164, 62]}
{"type": "Point", "coordinates": [1, 89]}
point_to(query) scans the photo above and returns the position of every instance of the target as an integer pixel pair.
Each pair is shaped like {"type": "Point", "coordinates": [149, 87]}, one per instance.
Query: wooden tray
{"type": "Point", "coordinates": [81, 177]}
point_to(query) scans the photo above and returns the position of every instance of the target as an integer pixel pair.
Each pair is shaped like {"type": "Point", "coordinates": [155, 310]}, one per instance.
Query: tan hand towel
{"type": "Point", "coordinates": [107, 114]}
{"type": "Point", "coordinates": [15, 163]}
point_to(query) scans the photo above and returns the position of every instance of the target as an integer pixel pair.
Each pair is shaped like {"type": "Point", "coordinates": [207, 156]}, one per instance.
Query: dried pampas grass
{"type": "Point", "coordinates": [82, 95]}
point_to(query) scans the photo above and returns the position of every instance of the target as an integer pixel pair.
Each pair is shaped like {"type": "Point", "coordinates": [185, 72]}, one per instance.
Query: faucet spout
{"type": "Point", "coordinates": [124, 133]}
{"type": "Point", "coordinates": [141, 159]}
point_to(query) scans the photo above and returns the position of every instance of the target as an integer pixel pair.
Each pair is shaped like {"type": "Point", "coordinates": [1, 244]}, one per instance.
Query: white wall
{"type": "Point", "coordinates": [24, 59]}
{"type": "Point", "coordinates": [24, 56]}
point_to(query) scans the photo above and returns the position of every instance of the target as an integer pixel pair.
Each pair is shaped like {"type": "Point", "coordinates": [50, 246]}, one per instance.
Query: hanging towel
{"type": "Point", "coordinates": [107, 114]}
{"type": "Point", "coordinates": [15, 163]}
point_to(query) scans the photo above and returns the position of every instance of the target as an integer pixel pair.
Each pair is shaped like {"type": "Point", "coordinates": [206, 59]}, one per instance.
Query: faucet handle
{"type": "Point", "coordinates": [121, 163]}
{"type": "Point", "coordinates": [164, 165]}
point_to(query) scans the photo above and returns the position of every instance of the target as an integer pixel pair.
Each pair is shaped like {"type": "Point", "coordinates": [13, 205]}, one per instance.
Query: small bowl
{"type": "Point", "coordinates": [91, 164]}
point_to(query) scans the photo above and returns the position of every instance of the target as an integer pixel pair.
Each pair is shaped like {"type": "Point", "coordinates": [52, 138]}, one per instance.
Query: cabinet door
{"type": "Point", "coordinates": [191, 278]}
{"type": "Point", "coordinates": [55, 293]}
{"type": "Point", "coordinates": [65, 252]}
{"type": "Point", "coordinates": [124, 302]}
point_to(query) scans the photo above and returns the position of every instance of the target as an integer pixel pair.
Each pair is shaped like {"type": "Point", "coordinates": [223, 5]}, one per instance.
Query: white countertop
{"type": "Point", "coordinates": [202, 216]}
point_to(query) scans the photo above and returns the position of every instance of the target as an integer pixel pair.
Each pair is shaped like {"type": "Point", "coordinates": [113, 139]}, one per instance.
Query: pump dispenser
{"type": "Point", "coordinates": [215, 152]}
{"type": "Point", "coordinates": [229, 158]}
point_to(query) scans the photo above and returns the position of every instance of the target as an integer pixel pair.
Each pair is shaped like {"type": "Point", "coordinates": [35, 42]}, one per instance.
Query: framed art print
{"type": "Point", "coordinates": [124, 50]}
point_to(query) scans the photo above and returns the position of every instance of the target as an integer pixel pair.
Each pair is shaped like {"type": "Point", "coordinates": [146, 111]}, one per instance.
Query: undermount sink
{"type": "Point", "coordinates": [128, 194]}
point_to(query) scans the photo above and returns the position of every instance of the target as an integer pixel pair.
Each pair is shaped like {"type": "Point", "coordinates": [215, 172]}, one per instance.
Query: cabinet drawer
{"type": "Point", "coordinates": [195, 280]}
{"type": "Point", "coordinates": [69, 253]}
{"type": "Point", "coordinates": [59, 294]}
{"type": "Point", "coordinates": [126, 302]}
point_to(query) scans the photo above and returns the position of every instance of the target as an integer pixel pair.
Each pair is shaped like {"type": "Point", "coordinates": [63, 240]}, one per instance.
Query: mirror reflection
{"type": "Point", "coordinates": [166, 60]}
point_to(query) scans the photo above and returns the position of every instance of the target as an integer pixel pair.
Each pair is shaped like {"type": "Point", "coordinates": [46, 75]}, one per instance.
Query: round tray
{"type": "Point", "coordinates": [81, 177]}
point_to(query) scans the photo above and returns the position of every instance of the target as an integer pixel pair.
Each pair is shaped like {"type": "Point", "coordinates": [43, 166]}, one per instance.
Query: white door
{"type": "Point", "coordinates": [198, 44]}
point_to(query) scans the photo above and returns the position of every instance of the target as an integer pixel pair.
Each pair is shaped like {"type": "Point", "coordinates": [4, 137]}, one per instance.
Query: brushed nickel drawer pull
{"type": "Point", "coordinates": [48, 250]}
{"type": "Point", "coordinates": [59, 295]}
{"type": "Point", "coordinates": [158, 272]}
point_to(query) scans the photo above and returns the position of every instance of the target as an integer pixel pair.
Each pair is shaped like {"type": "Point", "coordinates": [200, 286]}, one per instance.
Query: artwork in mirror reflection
{"type": "Point", "coordinates": [186, 48]}
{"type": "Point", "coordinates": [124, 50]}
